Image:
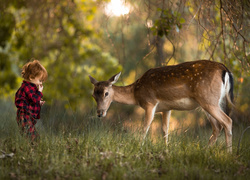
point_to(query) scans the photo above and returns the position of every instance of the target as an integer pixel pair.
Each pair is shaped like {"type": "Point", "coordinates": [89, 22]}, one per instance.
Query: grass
{"type": "Point", "coordinates": [94, 149]}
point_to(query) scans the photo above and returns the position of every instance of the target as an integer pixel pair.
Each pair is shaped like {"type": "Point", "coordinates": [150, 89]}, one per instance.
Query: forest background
{"type": "Point", "coordinates": [75, 38]}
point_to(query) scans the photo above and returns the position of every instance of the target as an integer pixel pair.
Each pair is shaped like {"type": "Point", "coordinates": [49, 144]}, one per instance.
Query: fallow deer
{"type": "Point", "coordinates": [185, 86]}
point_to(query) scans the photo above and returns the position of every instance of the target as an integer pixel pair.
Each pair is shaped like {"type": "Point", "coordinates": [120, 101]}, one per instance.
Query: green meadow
{"type": "Point", "coordinates": [75, 146]}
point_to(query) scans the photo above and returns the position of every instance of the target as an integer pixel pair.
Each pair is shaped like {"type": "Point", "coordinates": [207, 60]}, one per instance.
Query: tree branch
{"type": "Point", "coordinates": [237, 30]}
{"type": "Point", "coordinates": [172, 53]}
{"type": "Point", "coordinates": [222, 30]}
{"type": "Point", "coordinates": [211, 56]}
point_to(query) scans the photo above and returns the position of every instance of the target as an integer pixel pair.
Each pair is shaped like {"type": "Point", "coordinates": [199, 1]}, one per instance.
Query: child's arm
{"type": "Point", "coordinates": [34, 95]}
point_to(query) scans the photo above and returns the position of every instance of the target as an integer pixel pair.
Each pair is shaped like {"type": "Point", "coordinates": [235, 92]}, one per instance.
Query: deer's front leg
{"type": "Point", "coordinates": [149, 116]}
{"type": "Point", "coordinates": [165, 124]}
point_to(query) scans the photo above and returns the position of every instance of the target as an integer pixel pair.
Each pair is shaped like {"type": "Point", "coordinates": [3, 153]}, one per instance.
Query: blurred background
{"type": "Point", "coordinates": [75, 38]}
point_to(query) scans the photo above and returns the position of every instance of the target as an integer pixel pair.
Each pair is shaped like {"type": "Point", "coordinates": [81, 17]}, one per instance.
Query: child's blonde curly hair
{"type": "Point", "coordinates": [34, 69]}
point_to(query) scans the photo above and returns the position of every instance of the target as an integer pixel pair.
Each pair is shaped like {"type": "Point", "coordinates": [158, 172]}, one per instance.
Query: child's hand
{"type": "Point", "coordinates": [42, 103]}
{"type": "Point", "coordinates": [40, 87]}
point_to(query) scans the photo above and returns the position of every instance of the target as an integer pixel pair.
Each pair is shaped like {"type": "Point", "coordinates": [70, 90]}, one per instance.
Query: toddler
{"type": "Point", "coordinates": [28, 98]}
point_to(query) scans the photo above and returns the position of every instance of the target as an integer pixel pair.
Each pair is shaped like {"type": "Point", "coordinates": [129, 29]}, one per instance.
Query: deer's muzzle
{"type": "Point", "coordinates": [101, 113]}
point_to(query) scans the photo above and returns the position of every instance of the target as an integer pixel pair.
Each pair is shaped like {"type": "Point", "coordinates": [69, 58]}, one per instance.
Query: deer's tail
{"type": "Point", "coordinates": [227, 95]}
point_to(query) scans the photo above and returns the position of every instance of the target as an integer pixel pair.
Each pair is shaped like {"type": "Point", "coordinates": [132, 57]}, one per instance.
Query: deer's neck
{"type": "Point", "coordinates": [124, 94]}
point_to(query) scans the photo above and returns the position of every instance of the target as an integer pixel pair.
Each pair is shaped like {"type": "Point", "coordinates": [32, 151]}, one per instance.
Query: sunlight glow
{"type": "Point", "coordinates": [117, 8]}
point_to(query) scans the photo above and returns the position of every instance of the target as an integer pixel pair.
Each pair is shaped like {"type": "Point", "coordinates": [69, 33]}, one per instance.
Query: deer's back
{"type": "Point", "coordinates": [186, 80]}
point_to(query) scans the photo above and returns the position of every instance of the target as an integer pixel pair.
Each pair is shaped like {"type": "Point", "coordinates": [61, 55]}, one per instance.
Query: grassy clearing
{"type": "Point", "coordinates": [92, 149]}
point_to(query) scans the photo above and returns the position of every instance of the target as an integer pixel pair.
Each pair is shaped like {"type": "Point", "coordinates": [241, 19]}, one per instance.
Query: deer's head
{"type": "Point", "coordinates": [103, 93]}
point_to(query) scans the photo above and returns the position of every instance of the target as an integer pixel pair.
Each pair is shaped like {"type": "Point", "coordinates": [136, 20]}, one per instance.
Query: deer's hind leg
{"type": "Point", "coordinates": [216, 126]}
{"type": "Point", "coordinates": [225, 121]}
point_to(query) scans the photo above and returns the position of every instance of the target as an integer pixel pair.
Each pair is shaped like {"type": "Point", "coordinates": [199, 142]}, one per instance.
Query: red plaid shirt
{"type": "Point", "coordinates": [27, 100]}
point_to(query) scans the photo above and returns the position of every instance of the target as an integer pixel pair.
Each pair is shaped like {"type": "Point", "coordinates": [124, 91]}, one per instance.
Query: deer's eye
{"type": "Point", "coordinates": [106, 94]}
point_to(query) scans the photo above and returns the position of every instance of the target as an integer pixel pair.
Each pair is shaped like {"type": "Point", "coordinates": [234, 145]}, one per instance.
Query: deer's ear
{"type": "Point", "coordinates": [93, 80]}
{"type": "Point", "coordinates": [114, 78]}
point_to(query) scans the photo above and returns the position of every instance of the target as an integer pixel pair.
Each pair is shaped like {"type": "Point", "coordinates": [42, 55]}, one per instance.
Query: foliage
{"type": "Point", "coordinates": [167, 21]}
{"type": "Point", "coordinates": [59, 34]}
{"type": "Point", "coordinates": [6, 27]}
{"type": "Point", "coordinates": [218, 25]}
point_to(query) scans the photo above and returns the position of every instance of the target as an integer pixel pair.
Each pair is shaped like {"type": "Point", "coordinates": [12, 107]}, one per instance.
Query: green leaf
{"type": "Point", "coordinates": [182, 20]}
